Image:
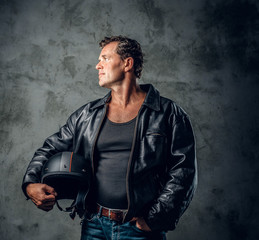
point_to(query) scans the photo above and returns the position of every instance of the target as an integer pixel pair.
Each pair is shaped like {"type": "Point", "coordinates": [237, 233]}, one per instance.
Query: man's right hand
{"type": "Point", "coordinates": [42, 195]}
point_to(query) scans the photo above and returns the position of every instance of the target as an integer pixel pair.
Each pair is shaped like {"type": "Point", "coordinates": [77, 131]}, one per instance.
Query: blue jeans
{"type": "Point", "coordinates": [96, 227]}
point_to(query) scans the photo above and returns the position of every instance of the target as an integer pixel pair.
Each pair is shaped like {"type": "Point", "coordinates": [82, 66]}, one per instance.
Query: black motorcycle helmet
{"type": "Point", "coordinates": [70, 175]}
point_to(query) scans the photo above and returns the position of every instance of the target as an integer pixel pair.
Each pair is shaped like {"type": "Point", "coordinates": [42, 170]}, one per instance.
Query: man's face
{"type": "Point", "coordinates": [110, 66]}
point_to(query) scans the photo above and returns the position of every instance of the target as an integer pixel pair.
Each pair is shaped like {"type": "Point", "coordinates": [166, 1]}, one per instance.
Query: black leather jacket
{"type": "Point", "coordinates": [161, 174]}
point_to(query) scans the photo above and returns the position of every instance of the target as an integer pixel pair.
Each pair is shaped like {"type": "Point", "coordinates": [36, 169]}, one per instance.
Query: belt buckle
{"type": "Point", "coordinates": [109, 213]}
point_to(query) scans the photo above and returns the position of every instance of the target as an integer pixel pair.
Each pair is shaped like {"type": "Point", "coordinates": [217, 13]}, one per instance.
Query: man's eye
{"type": "Point", "coordinates": [106, 59]}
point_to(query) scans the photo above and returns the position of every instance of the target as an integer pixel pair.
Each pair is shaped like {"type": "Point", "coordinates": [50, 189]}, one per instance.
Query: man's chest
{"type": "Point", "coordinates": [122, 115]}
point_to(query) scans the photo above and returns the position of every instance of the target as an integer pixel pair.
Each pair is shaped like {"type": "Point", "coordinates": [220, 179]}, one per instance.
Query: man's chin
{"type": "Point", "coordinates": [102, 84]}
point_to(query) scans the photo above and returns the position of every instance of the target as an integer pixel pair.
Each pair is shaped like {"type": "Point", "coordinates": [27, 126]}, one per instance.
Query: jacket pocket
{"type": "Point", "coordinates": [152, 152]}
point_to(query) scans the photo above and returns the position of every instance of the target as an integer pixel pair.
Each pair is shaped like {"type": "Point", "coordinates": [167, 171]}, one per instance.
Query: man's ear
{"type": "Point", "coordinates": [129, 64]}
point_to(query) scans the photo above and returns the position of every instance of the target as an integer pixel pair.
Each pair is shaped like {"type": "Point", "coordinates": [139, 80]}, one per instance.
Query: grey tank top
{"type": "Point", "coordinates": [113, 150]}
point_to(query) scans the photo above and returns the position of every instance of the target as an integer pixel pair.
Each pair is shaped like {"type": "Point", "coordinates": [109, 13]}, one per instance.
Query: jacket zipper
{"type": "Point", "coordinates": [129, 164]}
{"type": "Point", "coordinates": [97, 137]}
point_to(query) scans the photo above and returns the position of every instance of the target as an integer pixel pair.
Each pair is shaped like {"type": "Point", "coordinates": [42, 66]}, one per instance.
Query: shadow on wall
{"type": "Point", "coordinates": [228, 29]}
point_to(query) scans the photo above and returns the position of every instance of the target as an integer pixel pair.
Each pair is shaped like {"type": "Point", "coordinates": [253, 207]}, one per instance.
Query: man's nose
{"type": "Point", "coordinates": [98, 66]}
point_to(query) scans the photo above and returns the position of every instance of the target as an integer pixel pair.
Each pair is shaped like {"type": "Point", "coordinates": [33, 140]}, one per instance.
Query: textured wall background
{"type": "Point", "coordinates": [203, 54]}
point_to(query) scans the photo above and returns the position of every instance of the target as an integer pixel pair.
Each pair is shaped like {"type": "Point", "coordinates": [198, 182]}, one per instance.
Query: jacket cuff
{"type": "Point", "coordinates": [24, 186]}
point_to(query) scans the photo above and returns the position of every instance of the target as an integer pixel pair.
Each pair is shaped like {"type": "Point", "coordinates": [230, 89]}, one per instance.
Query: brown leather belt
{"type": "Point", "coordinates": [115, 215]}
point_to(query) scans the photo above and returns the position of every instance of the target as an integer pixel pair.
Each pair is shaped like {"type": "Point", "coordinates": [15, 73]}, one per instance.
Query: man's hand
{"type": "Point", "coordinates": [141, 224]}
{"type": "Point", "coordinates": [42, 195]}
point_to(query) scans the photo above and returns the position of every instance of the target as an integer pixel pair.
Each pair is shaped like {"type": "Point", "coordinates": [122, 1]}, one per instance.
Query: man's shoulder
{"type": "Point", "coordinates": [167, 103]}
{"type": "Point", "coordinates": [87, 108]}
{"type": "Point", "coordinates": [92, 104]}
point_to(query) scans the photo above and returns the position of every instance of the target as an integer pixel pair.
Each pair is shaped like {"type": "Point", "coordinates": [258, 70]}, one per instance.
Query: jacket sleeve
{"type": "Point", "coordinates": [181, 178]}
{"type": "Point", "coordinates": [58, 142]}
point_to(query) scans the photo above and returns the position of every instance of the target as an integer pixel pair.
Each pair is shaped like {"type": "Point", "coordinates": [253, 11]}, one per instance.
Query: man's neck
{"type": "Point", "coordinates": [127, 93]}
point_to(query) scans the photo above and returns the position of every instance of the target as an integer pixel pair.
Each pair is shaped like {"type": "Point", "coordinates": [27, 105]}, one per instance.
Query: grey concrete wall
{"type": "Point", "coordinates": [203, 54]}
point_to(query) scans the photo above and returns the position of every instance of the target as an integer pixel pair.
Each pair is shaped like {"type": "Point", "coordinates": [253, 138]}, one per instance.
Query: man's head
{"type": "Point", "coordinates": [127, 48]}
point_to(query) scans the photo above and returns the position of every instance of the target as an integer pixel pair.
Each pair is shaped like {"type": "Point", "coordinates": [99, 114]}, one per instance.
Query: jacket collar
{"type": "Point", "coordinates": [152, 99]}
{"type": "Point", "coordinates": [102, 101]}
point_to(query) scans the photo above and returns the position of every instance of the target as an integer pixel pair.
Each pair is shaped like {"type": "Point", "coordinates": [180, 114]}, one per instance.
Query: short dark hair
{"type": "Point", "coordinates": [127, 48]}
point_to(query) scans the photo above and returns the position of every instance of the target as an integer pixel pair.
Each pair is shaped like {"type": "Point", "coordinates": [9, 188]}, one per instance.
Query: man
{"type": "Point", "coordinates": [141, 147]}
